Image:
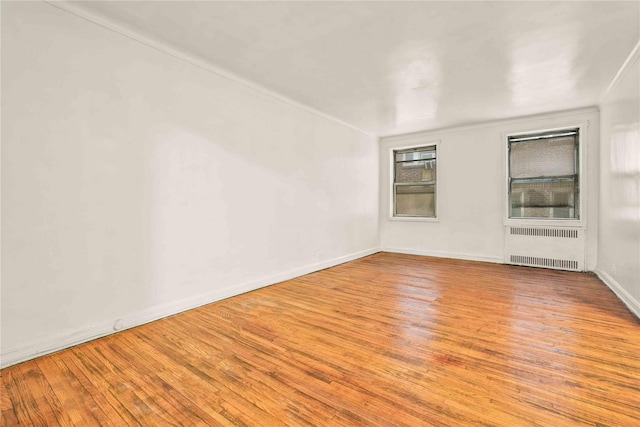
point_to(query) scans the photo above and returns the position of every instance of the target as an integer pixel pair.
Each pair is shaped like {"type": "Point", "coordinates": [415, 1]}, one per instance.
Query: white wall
{"type": "Point", "coordinates": [619, 232]}
{"type": "Point", "coordinates": [135, 184]}
{"type": "Point", "coordinates": [471, 176]}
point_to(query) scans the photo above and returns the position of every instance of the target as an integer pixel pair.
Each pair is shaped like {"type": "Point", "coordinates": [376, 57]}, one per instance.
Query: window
{"type": "Point", "coordinates": [544, 181]}
{"type": "Point", "coordinates": [414, 183]}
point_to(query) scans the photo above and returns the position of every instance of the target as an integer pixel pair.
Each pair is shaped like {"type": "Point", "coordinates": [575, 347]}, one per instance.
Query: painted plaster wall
{"type": "Point", "coordinates": [135, 184]}
{"type": "Point", "coordinates": [619, 231]}
{"type": "Point", "coordinates": [471, 181]}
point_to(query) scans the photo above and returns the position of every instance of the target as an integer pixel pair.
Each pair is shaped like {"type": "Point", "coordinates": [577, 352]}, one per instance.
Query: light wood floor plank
{"type": "Point", "coordinates": [387, 340]}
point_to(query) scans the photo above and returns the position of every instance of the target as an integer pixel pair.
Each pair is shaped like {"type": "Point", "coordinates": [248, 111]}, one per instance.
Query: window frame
{"type": "Point", "coordinates": [582, 129]}
{"type": "Point", "coordinates": [392, 178]}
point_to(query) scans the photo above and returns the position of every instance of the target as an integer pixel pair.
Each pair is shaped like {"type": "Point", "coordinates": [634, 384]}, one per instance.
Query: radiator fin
{"type": "Point", "coordinates": [544, 232]}
{"type": "Point", "coordinates": [564, 264]}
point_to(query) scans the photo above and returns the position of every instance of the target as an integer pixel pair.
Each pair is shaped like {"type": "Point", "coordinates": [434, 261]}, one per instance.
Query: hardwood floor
{"type": "Point", "coordinates": [387, 340]}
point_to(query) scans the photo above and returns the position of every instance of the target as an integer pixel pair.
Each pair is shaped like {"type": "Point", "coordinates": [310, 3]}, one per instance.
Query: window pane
{"type": "Point", "coordinates": [415, 171]}
{"type": "Point", "coordinates": [415, 200]}
{"type": "Point", "coordinates": [545, 157]}
{"type": "Point", "coordinates": [553, 199]}
{"type": "Point", "coordinates": [546, 213]}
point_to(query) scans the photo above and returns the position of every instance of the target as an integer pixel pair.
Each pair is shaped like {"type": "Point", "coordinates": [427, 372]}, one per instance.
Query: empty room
{"type": "Point", "coordinates": [320, 213]}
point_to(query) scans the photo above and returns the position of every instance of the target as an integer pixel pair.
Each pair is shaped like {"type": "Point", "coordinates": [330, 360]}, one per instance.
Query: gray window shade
{"type": "Point", "coordinates": [543, 158]}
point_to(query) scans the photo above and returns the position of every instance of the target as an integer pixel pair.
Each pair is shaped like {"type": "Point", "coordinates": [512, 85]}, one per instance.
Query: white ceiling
{"type": "Point", "coordinates": [391, 67]}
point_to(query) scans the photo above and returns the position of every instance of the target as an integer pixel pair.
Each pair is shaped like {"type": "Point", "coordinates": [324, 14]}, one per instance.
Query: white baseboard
{"type": "Point", "coordinates": [81, 335]}
{"type": "Point", "coordinates": [441, 254]}
{"type": "Point", "coordinates": [632, 304]}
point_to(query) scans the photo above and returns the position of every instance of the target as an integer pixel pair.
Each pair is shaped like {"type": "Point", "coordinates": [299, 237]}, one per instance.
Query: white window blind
{"type": "Point", "coordinates": [543, 175]}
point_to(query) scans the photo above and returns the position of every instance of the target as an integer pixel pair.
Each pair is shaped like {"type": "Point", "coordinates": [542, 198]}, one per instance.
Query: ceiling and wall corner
{"type": "Point", "coordinates": [183, 55]}
{"type": "Point", "coordinates": [396, 67]}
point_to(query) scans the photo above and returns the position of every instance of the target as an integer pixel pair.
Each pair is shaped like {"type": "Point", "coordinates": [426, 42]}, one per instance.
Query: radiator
{"type": "Point", "coordinates": [547, 247]}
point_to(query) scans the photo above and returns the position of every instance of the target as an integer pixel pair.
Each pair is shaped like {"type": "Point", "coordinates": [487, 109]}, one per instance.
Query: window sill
{"type": "Point", "coordinates": [528, 222]}
{"type": "Point", "coordinates": [412, 219]}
